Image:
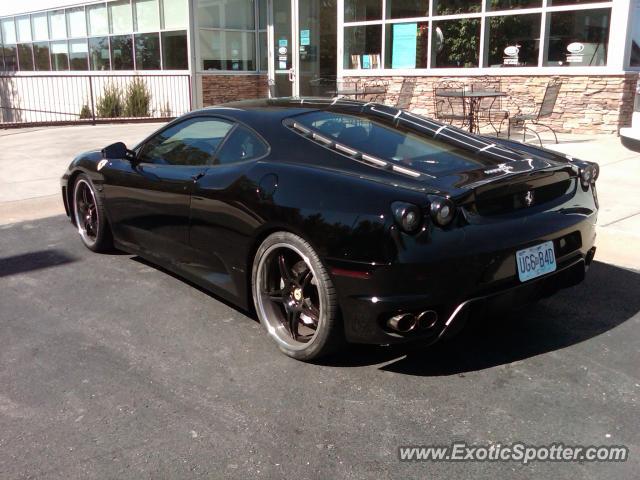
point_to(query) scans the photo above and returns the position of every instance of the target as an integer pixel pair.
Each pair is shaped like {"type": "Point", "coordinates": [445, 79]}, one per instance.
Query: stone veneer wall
{"type": "Point", "coordinates": [218, 89]}
{"type": "Point", "coordinates": [586, 104]}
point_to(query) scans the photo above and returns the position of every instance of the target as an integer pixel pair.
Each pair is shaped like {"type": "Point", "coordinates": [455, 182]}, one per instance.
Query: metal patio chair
{"type": "Point", "coordinates": [374, 90]}
{"type": "Point", "coordinates": [490, 109]}
{"type": "Point", "coordinates": [449, 102]}
{"type": "Point", "coordinates": [544, 110]}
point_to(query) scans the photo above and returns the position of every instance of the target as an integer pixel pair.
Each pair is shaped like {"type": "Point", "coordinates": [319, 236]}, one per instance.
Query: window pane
{"type": "Point", "coordinates": [57, 24]}
{"type": "Point", "coordinates": [148, 51]}
{"type": "Point", "coordinates": [241, 145]}
{"type": "Point", "coordinates": [407, 8]}
{"type": "Point", "coordinates": [41, 56]}
{"type": "Point", "coordinates": [362, 46]}
{"type": "Point", "coordinates": [99, 53]}
{"type": "Point", "coordinates": [455, 43]}
{"type": "Point", "coordinates": [24, 28]}
{"type": "Point", "coordinates": [59, 56]}
{"type": "Point", "coordinates": [120, 17]}
{"type": "Point", "coordinates": [147, 15]}
{"type": "Point", "coordinates": [77, 22]}
{"type": "Point", "coordinates": [553, 3]}
{"type": "Point", "coordinates": [519, 31]}
{"type": "Point", "coordinates": [264, 51]}
{"type": "Point", "coordinates": [359, 10]}
{"type": "Point", "coordinates": [262, 14]}
{"type": "Point", "coordinates": [578, 38]}
{"type": "Point", "coordinates": [449, 7]}
{"type": "Point", "coordinates": [226, 14]}
{"type": "Point", "coordinates": [122, 52]}
{"type": "Point", "coordinates": [8, 31]}
{"type": "Point", "coordinates": [174, 14]}
{"type": "Point", "coordinates": [40, 26]}
{"type": "Point", "coordinates": [634, 59]}
{"type": "Point", "coordinates": [407, 45]}
{"type": "Point", "coordinates": [10, 58]}
{"type": "Point", "coordinates": [227, 50]}
{"type": "Point", "coordinates": [25, 57]}
{"type": "Point", "coordinates": [98, 20]}
{"type": "Point", "coordinates": [509, 4]}
{"type": "Point", "coordinates": [192, 142]}
{"type": "Point", "coordinates": [174, 50]}
{"type": "Point", "coordinates": [78, 55]}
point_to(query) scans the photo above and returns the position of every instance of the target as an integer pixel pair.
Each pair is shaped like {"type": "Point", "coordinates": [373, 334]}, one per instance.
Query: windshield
{"type": "Point", "coordinates": [400, 146]}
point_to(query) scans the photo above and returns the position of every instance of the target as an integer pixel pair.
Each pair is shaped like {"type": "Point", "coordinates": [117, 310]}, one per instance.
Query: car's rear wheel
{"type": "Point", "coordinates": [89, 216]}
{"type": "Point", "coordinates": [294, 297]}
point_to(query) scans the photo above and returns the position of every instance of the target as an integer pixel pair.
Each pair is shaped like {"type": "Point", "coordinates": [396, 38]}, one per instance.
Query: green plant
{"type": "Point", "coordinates": [110, 104]}
{"type": "Point", "coordinates": [137, 99]}
{"type": "Point", "coordinates": [165, 112]}
{"type": "Point", "coordinates": [85, 112]}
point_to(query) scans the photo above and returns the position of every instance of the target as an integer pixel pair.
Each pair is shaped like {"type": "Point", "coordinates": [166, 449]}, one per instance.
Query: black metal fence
{"type": "Point", "coordinates": [64, 99]}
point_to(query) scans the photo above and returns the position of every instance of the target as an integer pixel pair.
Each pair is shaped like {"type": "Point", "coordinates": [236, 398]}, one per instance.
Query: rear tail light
{"type": "Point", "coordinates": [589, 174]}
{"type": "Point", "coordinates": [407, 215]}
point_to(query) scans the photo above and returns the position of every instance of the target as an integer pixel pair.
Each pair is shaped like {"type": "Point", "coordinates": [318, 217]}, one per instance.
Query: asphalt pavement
{"type": "Point", "coordinates": [113, 368]}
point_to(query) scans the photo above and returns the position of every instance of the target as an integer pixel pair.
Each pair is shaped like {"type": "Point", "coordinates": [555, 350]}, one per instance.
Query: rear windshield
{"type": "Point", "coordinates": [396, 145]}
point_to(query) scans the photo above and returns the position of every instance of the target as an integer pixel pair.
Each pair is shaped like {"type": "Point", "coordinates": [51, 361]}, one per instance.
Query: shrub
{"type": "Point", "coordinates": [85, 112]}
{"type": "Point", "coordinates": [166, 112]}
{"type": "Point", "coordinates": [137, 99]}
{"type": "Point", "coordinates": [110, 104]}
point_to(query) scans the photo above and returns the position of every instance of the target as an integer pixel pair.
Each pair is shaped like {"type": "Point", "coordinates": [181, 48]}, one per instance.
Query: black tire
{"type": "Point", "coordinates": [90, 216]}
{"type": "Point", "coordinates": [314, 298]}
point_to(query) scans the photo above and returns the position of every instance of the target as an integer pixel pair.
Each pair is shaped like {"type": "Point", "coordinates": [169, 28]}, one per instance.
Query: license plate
{"type": "Point", "coordinates": [536, 261]}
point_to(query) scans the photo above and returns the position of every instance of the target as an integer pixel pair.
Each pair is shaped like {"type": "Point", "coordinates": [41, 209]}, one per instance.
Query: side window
{"type": "Point", "coordinates": [192, 142]}
{"type": "Point", "coordinates": [241, 145]}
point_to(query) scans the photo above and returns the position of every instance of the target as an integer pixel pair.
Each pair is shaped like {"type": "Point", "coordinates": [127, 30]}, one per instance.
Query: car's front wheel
{"type": "Point", "coordinates": [89, 216]}
{"type": "Point", "coordinates": [294, 297]}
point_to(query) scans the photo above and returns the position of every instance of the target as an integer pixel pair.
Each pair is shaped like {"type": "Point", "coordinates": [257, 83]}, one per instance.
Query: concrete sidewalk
{"type": "Point", "coordinates": [32, 161]}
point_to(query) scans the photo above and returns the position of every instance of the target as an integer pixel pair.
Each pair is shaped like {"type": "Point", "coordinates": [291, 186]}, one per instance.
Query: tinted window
{"type": "Point", "coordinates": [192, 142]}
{"type": "Point", "coordinates": [242, 144]}
{"type": "Point", "coordinates": [396, 145]}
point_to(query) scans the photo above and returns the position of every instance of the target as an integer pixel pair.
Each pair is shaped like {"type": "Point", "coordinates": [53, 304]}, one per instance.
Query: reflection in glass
{"type": "Point", "coordinates": [406, 45]}
{"type": "Point", "coordinates": [521, 33]}
{"type": "Point", "coordinates": [407, 8]}
{"type": "Point", "coordinates": [360, 10]}
{"type": "Point", "coordinates": [148, 51]}
{"type": "Point", "coordinates": [10, 58]}
{"type": "Point", "coordinates": [25, 57]}
{"type": "Point", "coordinates": [238, 14]}
{"type": "Point", "coordinates": [455, 43]}
{"type": "Point", "coordinates": [634, 60]}
{"type": "Point", "coordinates": [147, 15]}
{"type": "Point", "coordinates": [264, 51]}
{"type": "Point", "coordinates": [122, 52]}
{"type": "Point", "coordinates": [578, 38]}
{"type": "Point", "coordinates": [23, 24]}
{"type": "Point", "coordinates": [78, 55]}
{"type": "Point", "coordinates": [174, 50]}
{"type": "Point", "coordinates": [98, 20]}
{"type": "Point", "coordinates": [362, 46]}
{"type": "Point", "coordinates": [8, 30]}
{"type": "Point", "coordinates": [41, 56]}
{"type": "Point", "coordinates": [59, 56]}
{"type": "Point", "coordinates": [77, 23]}
{"type": "Point", "coordinates": [40, 27]}
{"type": "Point", "coordinates": [58, 24]}
{"type": "Point", "coordinates": [120, 17]}
{"type": "Point", "coordinates": [510, 4]}
{"type": "Point", "coordinates": [449, 7]}
{"type": "Point", "coordinates": [99, 54]}
{"type": "Point", "coordinates": [225, 50]}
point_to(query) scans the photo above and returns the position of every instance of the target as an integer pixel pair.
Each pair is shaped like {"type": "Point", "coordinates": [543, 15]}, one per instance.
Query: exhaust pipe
{"type": "Point", "coordinates": [402, 323]}
{"type": "Point", "coordinates": [427, 319]}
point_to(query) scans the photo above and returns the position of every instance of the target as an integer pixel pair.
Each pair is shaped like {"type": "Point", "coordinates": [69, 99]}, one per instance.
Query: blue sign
{"type": "Point", "coordinates": [304, 37]}
{"type": "Point", "coordinates": [283, 42]}
{"type": "Point", "coordinates": [405, 36]}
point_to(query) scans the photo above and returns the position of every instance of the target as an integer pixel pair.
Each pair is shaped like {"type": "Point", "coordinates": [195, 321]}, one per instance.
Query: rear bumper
{"type": "Point", "coordinates": [477, 277]}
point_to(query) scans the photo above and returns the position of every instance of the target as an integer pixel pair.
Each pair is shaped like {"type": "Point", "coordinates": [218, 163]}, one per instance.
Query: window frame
{"type": "Point", "coordinates": [613, 63]}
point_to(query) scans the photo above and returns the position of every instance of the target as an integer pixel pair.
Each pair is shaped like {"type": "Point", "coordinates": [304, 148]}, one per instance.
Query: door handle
{"type": "Point", "coordinates": [292, 74]}
{"type": "Point", "coordinates": [197, 176]}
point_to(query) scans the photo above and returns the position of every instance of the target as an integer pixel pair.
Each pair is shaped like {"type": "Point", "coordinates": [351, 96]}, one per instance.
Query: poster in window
{"type": "Point", "coordinates": [405, 37]}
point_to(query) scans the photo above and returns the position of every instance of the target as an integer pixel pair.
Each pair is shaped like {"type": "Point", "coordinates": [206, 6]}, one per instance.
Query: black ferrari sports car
{"type": "Point", "coordinates": [341, 220]}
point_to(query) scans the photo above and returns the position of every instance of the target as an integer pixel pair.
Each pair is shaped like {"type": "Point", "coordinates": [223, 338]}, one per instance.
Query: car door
{"type": "Point", "coordinates": [148, 199]}
{"type": "Point", "coordinates": [223, 217]}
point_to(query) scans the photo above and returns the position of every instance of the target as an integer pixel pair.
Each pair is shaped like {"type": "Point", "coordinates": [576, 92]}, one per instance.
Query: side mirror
{"type": "Point", "coordinates": [118, 150]}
